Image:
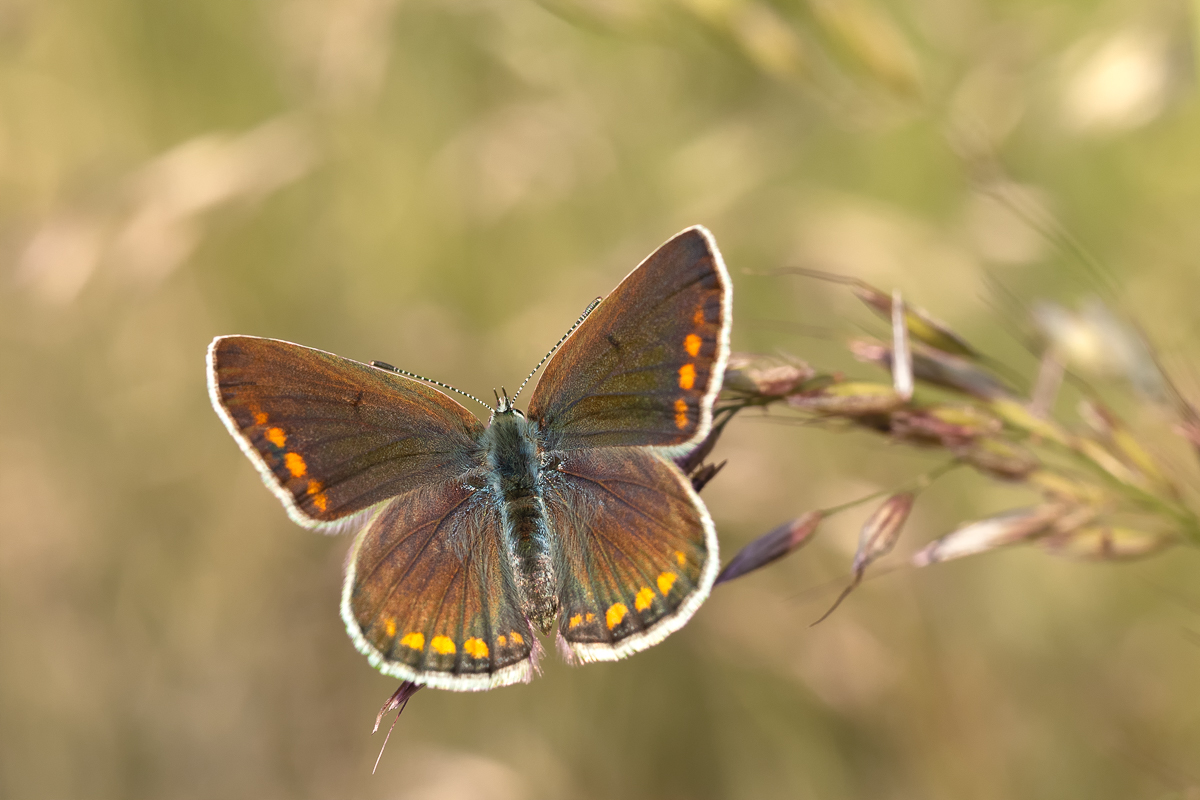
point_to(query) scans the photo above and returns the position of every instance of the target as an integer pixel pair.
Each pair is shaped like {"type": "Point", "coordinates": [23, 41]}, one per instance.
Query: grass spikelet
{"type": "Point", "coordinates": [1104, 496]}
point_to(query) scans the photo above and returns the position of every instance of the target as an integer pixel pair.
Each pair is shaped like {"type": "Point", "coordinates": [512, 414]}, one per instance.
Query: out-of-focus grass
{"type": "Point", "coordinates": [446, 185]}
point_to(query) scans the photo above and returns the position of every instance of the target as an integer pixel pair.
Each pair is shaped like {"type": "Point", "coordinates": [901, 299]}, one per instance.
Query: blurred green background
{"type": "Point", "coordinates": [445, 185]}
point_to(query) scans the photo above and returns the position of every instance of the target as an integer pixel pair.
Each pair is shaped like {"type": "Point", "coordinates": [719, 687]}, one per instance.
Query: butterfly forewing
{"type": "Point", "coordinates": [332, 436]}
{"type": "Point", "coordinates": [645, 367]}
{"type": "Point", "coordinates": [639, 549]}
{"type": "Point", "coordinates": [429, 596]}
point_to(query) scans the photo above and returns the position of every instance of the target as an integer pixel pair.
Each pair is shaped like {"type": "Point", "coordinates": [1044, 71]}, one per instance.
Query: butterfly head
{"type": "Point", "coordinates": [504, 404]}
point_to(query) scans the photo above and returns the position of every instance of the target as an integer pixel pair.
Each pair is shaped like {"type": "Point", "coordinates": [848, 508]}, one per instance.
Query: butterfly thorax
{"type": "Point", "coordinates": [511, 444]}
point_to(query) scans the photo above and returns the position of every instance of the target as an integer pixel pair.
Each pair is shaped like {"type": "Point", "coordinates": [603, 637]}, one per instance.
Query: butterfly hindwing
{"type": "Point", "coordinates": [645, 367]}
{"type": "Point", "coordinates": [332, 436]}
{"type": "Point", "coordinates": [638, 550]}
{"type": "Point", "coordinates": [429, 594]}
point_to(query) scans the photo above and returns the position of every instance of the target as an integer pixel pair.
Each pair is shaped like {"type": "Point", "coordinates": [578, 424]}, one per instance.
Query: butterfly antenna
{"type": "Point", "coordinates": [554, 349]}
{"type": "Point", "coordinates": [386, 366]}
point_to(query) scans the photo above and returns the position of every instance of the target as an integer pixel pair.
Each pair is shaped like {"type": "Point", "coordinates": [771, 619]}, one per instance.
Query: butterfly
{"type": "Point", "coordinates": [473, 539]}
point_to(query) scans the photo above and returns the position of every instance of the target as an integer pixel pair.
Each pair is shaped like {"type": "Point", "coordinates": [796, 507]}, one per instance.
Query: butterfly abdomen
{"type": "Point", "coordinates": [512, 451]}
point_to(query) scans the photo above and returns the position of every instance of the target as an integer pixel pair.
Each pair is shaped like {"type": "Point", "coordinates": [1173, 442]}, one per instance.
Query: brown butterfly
{"type": "Point", "coordinates": [474, 538]}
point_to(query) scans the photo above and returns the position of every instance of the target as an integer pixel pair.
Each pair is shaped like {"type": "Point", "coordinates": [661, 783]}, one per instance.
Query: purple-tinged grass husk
{"type": "Point", "coordinates": [771, 546]}
{"type": "Point", "coordinates": [936, 369]}
{"type": "Point", "coordinates": [704, 473]}
{"type": "Point", "coordinates": [849, 400]}
{"type": "Point", "coordinates": [943, 426]}
{"type": "Point", "coordinates": [983, 535]}
{"type": "Point", "coordinates": [999, 458]}
{"type": "Point", "coordinates": [399, 699]}
{"type": "Point", "coordinates": [875, 540]}
{"type": "Point", "coordinates": [768, 377]}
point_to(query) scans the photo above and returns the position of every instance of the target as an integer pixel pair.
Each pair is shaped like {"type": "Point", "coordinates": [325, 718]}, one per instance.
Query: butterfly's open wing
{"type": "Point", "coordinates": [331, 436]}
{"type": "Point", "coordinates": [645, 367]}
{"type": "Point", "coordinates": [429, 593]}
{"type": "Point", "coordinates": [638, 550]}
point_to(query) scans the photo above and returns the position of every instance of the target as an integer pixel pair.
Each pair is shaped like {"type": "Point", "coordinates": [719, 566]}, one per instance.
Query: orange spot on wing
{"type": "Point", "coordinates": [698, 318]}
{"type": "Point", "coordinates": [588, 617]}
{"type": "Point", "coordinates": [319, 498]}
{"type": "Point", "coordinates": [295, 464]}
{"type": "Point", "coordinates": [276, 436]}
{"type": "Point", "coordinates": [516, 637]}
{"type": "Point", "coordinates": [260, 418]}
{"type": "Point", "coordinates": [687, 376]}
{"type": "Point", "coordinates": [389, 625]}
{"type": "Point", "coordinates": [476, 648]}
{"type": "Point", "coordinates": [443, 645]}
{"type": "Point", "coordinates": [575, 621]}
{"type": "Point", "coordinates": [692, 345]}
{"type": "Point", "coordinates": [681, 414]}
{"type": "Point", "coordinates": [644, 598]}
{"type": "Point", "coordinates": [502, 640]}
{"type": "Point", "coordinates": [665, 581]}
{"type": "Point", "coordinates": [680, 558]}
{"type": "Point", "coordinates": [415, 640]}
{"type": "Point", "coordinates": [616, 612]}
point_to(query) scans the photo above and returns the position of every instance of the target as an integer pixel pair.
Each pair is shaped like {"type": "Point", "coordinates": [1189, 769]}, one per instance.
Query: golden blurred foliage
{"type": "Point", "coordinates": [446, 184]}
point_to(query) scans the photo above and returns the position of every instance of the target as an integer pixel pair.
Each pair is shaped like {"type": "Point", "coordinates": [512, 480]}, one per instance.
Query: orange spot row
{"type": "Point", "coordinates": [444, 645]}
{"type": "Point", "coordinates": [616, 612]}
{"type": "Point", "coordinates": [692, 345]}
{"type": "Point", "coordinates": [318, 496]}
{"type": "Point", "coordinates": [389, 625]}
{"type": "Point", "coordinates": [681, 413]}
{"type": "Point", "coordinates": [680, 558]}
{"type": "Point", "coordinates": [645, 597]}
{"type": "Point", "coordinates": [665, 581]}
{"type": "Point", "coordinates": [687, 376]}
{"type": "Point", "coordinates": [295, 464]}
{"type": "Point", "coordinates": [580, 619]}
{"type": "Point", "coordinates": [276, 436]}
{"type": "Point", "coordinates": [502, 640]}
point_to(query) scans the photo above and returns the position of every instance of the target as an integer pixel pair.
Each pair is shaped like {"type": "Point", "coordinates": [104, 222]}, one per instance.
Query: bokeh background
{"type": "Point", "coordinates": [445, 185]}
